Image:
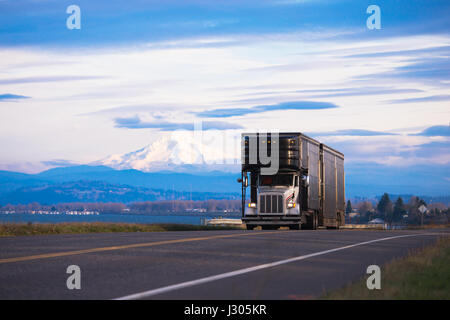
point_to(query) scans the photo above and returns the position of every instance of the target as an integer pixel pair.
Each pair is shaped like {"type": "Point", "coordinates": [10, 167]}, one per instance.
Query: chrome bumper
{"type": "Point", "coordinates": [259, 220]}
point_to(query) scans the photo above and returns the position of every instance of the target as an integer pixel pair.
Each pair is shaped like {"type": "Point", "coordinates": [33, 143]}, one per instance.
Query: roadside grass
{"type": "Point", "coordinates": [23, 229]}
{"type": "Point", "coordinates": [424, 274]}
{"type": "Point", "coordinates": [429, 226]}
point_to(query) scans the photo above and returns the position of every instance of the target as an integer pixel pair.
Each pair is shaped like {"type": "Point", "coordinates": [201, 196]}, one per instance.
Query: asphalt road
{"type": "Point", "coordinates": [243, 264]}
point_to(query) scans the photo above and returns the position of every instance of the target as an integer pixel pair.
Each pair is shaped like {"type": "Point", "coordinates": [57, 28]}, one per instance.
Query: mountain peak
{"type": "Point", "coordinates": [175, 152]}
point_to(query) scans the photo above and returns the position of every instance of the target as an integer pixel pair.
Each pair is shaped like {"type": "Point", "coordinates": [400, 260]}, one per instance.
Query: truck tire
{"type": "Point", "coordinates": [315, 221]}
{"type": "Point", "coordinates": [295, 226]}
{"type": "Point", "coordinates": [312, 222]}
{"type": "Point", "coordinates": [339, 220]}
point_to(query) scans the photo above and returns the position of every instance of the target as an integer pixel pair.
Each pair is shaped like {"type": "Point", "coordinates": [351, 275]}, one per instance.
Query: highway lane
{"type": "Point", "coordinates": [120, 264]}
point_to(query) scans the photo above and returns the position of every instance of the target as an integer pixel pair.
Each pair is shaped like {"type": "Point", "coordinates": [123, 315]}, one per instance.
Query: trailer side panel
{"type": "Point", "coordinates": [340, 184]}
{"type": "Point", "coordinates": [333, 187]}
{"type": "Point", "coordinates": [329, 185]}
{"type": "Point", "coordinates": [310, 153]}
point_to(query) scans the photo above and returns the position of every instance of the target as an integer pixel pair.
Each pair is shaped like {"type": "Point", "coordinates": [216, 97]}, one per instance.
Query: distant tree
{"type": "Point", "coordinates": [399, 210]}
{"type": "Point", "coordinates": [439, 206]}
{"type": "Point", "coordinates": [364, 210]}
{"type": "Point", "coordinates": [385, 208]}
{"type": "Point", "coordinates": [349, 208]}
{"type": "Point", "coordinates": [413, 211]}
{"type": "Point", "coordinates": [414, 215]}
{"type": "Point", "coordinates": [364, 207]}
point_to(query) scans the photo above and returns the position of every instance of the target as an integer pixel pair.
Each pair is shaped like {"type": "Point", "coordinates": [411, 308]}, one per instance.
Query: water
{"type": "Point", "coordinates": [103, 217]}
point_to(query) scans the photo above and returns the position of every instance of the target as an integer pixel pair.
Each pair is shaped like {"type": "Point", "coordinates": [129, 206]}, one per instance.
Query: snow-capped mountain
{"type": "Point", "coordinates": [179, 153]}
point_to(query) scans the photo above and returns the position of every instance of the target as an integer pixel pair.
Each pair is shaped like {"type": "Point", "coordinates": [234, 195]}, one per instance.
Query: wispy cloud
{"type": "Point", "coordinates": [10, 96]}
{"type": "Point", "coordinates": [436, 98]}
{"type": "Point", "coordinates": [352, 132]}
{"type": "Point", "coordinates": [430, 68]}
{"type": "Point", "coordinates": [58, 163]}
{"type": "Point", "coordinates": [403, 53]}
{"type": "Point", "coordinates": [294, 105]}
{"type": "Point", "coordinates": [435, 131]}
{"type": "Point", "coordinates": [366, 91]}
{"type": "Point", "coordinates": [340, 92]}
{"type": "Point", "coordinates": [47, 79]}
{"type": "Point", "coordinates": [136, 123]}
{"type": "Point", "coordinates": [153, 110]}
{"type": "Point", "coordinates": [420, 68]}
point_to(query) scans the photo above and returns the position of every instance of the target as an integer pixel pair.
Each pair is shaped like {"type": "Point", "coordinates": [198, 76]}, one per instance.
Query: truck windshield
{"type": "Point", "coordinates": [276, 180]}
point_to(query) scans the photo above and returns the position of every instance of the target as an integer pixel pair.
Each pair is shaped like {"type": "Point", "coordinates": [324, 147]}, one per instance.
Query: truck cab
{"type": "Point", "coordinates": [278, 198]}
{"type": "Point", "coordinates": [278, 194]}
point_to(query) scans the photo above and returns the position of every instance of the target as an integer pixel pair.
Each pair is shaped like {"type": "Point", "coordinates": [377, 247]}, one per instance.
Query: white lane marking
{"type": "Point", "coordinates": [196, 282]}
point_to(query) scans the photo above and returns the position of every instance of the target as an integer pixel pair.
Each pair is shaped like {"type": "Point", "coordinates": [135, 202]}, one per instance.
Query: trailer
{"type": "Point", "coordinates": [305, 191]}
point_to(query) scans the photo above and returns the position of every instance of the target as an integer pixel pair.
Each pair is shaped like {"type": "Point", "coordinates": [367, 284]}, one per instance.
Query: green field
{"type": "Point", "coordinates": [424, 274]}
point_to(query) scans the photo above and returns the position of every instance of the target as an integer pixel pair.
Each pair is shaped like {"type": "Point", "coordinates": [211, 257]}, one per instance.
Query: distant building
{"type": "Point", "coordinates": [376, 221]}
{"type": "Point", "coordinates": [353, 214]}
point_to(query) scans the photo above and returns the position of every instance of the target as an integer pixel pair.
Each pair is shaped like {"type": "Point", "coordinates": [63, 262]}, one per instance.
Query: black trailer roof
{"type": "Point", "coordinates": [286, 134]}
{"type": "Point", "coordinates": [303, 136]}
{"type": "Point", "coordinates": [333, 150]}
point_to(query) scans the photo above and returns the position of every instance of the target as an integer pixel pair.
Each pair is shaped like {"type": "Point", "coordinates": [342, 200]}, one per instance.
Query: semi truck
{"type": "Point", "coordinates": [294, 181]}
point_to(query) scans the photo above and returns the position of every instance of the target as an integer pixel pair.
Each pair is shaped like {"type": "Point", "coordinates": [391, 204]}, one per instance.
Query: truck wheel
{"type": "Point", "coordinates": [339, 220]}
{"type": "Point", "coordinates": [269, 227]}
{"type": "Point", "coordinates": [312, 221]}
{"type": "Point", "coordinates": [294, 226]}
{"type": "Point", "coordinates": [336, 226]}
{"type": "Point", "coordinates": [342, 219]}
{"type": "Point", "coordinates": [315, 221]}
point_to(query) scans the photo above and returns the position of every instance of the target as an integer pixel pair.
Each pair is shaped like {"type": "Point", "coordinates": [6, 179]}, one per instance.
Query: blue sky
{"type": "Point", "coordinates": [104, 22]}
{"type": "Point", "coordinates": [138, 70]}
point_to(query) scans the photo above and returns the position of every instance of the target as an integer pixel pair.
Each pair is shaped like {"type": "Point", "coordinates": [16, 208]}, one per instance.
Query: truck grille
{"type": "Point", "coordinates": [271, 203]}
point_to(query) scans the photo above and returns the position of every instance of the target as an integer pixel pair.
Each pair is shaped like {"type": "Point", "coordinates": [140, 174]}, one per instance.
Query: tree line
{"type": "Point", "coordinates": [397, 212]}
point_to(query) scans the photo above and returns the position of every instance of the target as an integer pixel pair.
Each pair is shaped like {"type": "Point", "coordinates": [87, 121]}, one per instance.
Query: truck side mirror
{"type": "Point", "coordinates": [239, 180]}
{"type": "Point", "coordinates": [305, 180]}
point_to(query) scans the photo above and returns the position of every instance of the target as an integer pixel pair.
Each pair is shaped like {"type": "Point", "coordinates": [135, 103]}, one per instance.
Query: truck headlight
{"type": "Point", "coordinates": [252, 205]}
{"type": "Point", "coordinates": [291, 204]}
